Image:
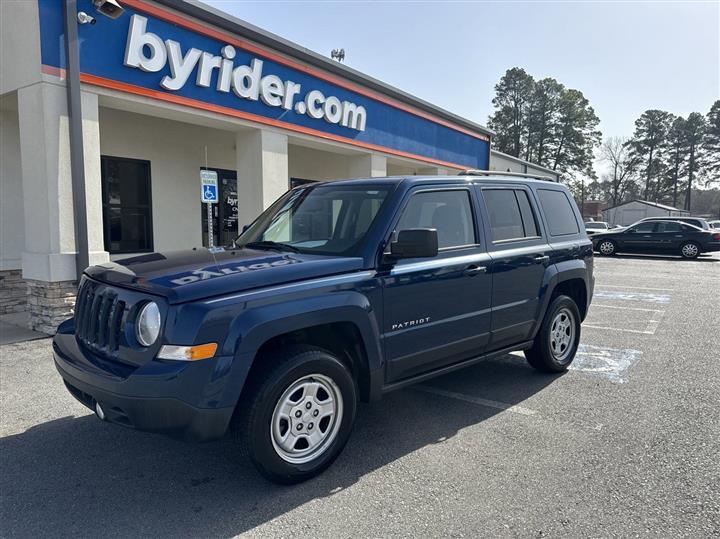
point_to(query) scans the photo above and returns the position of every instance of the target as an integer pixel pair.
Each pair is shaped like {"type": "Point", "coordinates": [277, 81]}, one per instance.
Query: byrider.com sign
{"type": "Point", "coordinates": [245, 81]}
{"type": "Point", "coordinates": [158, 54]}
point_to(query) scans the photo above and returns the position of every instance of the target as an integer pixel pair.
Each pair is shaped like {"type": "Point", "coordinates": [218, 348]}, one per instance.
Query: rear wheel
{"type": "Point", "coordinates": [607, 247]}
{"type": "Point", "coordinates": [298, 414]}
{"type": "Point", "coordinates": [557, 340]}
{"type": "Point", "coordinates": [690, 250]}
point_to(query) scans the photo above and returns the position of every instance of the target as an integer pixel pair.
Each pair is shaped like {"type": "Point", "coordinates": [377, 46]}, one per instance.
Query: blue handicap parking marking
{"type": "Point", "coordinates": [210, 193]}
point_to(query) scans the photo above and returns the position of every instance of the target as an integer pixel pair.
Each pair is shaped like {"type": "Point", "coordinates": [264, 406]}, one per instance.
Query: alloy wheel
{"type": "Point", "coordinates": [690, 250]}
{"type": "Point", "coordinates": [607, 247]}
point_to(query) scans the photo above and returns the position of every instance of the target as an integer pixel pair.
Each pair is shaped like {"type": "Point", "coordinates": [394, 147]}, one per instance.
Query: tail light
{"type": "Point", "coordinates": [716, 236]}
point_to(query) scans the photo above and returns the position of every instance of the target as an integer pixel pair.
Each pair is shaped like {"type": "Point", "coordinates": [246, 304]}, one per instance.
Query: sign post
{"type": "Point", "coordinates": [209, 195]}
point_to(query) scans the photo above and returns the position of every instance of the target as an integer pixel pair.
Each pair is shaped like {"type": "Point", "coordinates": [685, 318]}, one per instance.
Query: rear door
{"type": "Point", "coordinates": [670, 235]}
{"type": "Point", "coordinates": [520, 255]}
{"type": "Point", "coordinates": [437, 310]}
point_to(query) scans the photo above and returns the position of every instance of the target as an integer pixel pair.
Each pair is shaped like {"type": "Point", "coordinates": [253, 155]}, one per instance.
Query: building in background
{"type": "Point", "coordinates": [170, 88]}
{"type": "Point", "coordinates": [630, 212]}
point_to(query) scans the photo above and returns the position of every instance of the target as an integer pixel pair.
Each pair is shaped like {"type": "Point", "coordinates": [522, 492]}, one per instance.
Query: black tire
{"type": "Point", "coordinates": [690, 250]}
{"type": "Point", "coordinates": [256, 411]}
{"type": "Point", "coordinates": [607, 247]}
{"type": "Point", "coordinates": [544, 355]}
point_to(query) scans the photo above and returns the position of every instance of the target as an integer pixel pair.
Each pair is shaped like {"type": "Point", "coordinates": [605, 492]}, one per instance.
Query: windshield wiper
{"type": "Point", "coordinates": [267, 244]}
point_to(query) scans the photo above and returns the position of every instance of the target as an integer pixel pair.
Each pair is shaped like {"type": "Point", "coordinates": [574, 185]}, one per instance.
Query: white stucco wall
{"type": "Point", "coordinates": [176, 152]}
{"type": "Point", "coordinates": [312, 164]}
{"type": "Point", "coordinates": [19, 45]}
{"type": "Point", "coordinates": [12, 231]}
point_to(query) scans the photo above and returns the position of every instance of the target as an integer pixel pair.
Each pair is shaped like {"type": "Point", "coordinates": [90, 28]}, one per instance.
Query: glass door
{"type": "Point", "coordinates": [225, 212]}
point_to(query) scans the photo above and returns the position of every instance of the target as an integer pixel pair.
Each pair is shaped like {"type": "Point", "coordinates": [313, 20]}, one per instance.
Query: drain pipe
{"type": "Point", "coordinates": [77, 153]}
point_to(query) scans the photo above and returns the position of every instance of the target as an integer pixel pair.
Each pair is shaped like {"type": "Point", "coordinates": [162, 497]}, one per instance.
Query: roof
{"type": "Point", "coordinates": [654, 204]}
{"type": "Point", "coordinates": [234, 25]}
{"type": "Point", "coordinates": [413, 180]}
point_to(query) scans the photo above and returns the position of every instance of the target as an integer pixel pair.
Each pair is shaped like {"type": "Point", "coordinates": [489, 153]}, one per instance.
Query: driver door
{"type": "Point", "coordinates": [641, 237]}
{"type": "Point", "coordinates": [437, 310]}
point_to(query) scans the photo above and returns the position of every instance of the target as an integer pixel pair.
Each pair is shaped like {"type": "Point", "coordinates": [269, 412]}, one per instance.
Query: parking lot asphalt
{"type": "Point", "coordinates": [627, 443]}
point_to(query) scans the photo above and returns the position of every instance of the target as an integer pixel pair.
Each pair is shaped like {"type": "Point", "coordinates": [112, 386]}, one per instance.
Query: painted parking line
{"type": "Point", "coordinates": [652, 327]}
{"type": "Point", "coordinates": [631, 296]}
{"type": "Point", "coordinates": [632, 287]}
{"type": "Point", "coordinates": [603, 306]}
{"type": "Point", "coordinates": [478, 400]}
{"type": "Point", "coordinates": [610, 363]}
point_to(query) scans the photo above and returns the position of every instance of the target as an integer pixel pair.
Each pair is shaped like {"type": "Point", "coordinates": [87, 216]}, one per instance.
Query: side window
{"type": "Point", "coordinates": [511, 216]}
{"type": "Point", "coordinates": [558, 212]}
{"type": "Point", "coordinates": [644, 228]}
{"type": "Point", "coordinates": [670, 227]}
{"type": "Point", "coordinates": [449, 212]}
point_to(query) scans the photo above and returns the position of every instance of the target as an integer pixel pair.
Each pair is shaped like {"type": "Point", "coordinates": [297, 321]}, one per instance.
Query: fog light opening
{"type": "Point", "coordinates": [99, 412]}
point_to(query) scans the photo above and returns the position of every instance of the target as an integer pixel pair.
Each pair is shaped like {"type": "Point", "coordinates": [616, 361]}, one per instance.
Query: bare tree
{"type": "Point", "coordinates": [623, 163]}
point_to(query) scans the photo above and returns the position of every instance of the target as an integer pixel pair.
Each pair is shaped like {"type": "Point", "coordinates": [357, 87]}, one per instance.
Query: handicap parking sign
{"type": "Point", "coordinates": [208, 186]}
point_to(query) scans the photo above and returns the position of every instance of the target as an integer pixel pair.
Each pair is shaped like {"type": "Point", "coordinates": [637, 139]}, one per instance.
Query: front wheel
{"type": "Point", "coordinates": [557, 340]}
{"type": "Point", "coordinates": [690, 250]}
{"type": "Point", "coordinates": [298, 414]}
{"type": "Point", "coordinates": [607, 247]}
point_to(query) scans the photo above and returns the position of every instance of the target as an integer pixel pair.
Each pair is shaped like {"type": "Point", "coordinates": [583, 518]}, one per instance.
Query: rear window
{"type": "Point", "coordinates": [511, 216]}
{"type": "Point", "coordinates": [558, 212]}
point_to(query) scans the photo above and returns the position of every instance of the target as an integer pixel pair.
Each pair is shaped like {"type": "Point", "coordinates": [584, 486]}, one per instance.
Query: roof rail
{"type": "Point", "coordinates": [476, 172]}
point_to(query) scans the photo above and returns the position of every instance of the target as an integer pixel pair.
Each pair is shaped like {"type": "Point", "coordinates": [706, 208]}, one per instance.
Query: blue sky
{"type": "Point", "coordinates": [625, 57]}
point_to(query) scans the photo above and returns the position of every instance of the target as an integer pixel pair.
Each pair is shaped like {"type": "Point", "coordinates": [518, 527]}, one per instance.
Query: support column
{"type": "Point", "coordinates": [48, 259]}
{"type": "Point", "coordinates": [368, 166]}
{"type": "Point", "coordinates": [262, 171]}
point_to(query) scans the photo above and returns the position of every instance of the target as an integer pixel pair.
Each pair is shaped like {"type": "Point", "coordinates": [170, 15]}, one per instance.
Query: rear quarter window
{"type": "Point", "coordinates": [558, 212]}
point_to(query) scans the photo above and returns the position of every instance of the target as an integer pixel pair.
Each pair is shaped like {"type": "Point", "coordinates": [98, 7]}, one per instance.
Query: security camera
{"type": "Point", "coordinates": [84, 18]}
{"type": "Point", "coordinates": [109, 8]}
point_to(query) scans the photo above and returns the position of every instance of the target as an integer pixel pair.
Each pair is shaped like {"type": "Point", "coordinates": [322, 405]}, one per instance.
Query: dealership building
{"type": "Point", "coordinates": [168, 89]}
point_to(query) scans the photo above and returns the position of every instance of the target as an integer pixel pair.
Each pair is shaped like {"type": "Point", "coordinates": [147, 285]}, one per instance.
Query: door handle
{"type": "Point", "coordinates": [542, 258]}
{"type": "Point", "coordinates": [474, 270]}
{"type": "Point", "coordinates": [647, 236]}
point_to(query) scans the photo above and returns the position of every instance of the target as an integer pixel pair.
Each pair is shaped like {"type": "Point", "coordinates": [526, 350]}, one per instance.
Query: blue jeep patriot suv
{"type": "Point", "coordinates": [339, 292]}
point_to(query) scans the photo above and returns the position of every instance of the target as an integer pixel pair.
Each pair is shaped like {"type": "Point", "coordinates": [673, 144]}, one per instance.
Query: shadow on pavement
{"type": "Point", "coordinates": [76, 475]}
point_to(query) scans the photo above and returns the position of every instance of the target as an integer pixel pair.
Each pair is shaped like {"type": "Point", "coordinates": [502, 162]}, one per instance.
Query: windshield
{"type": "Point", "coordinates": [322, 219]}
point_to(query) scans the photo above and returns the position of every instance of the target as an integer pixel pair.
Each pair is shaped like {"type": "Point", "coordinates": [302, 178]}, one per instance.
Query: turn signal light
{"type": "Point", "coordinates": [187, 353]}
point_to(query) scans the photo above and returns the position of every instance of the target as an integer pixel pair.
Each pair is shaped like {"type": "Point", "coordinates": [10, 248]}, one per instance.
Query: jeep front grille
{"type": "Point", "coordinates": [98, 318]}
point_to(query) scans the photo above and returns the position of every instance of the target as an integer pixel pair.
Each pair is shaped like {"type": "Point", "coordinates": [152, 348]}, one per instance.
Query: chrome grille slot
{"type": "Point", "coordinates": [98, 318]}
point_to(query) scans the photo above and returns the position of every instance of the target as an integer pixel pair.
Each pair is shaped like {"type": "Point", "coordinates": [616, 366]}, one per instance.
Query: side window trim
{"type": "Point", "coordinates": [426, 189]}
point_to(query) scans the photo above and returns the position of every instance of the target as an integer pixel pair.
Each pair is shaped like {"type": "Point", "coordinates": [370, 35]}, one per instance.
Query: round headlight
{"type": "Point", "coordinates": [147, 326]}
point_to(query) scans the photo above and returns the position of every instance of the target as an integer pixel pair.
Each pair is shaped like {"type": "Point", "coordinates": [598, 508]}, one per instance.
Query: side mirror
{"type": "Point", "coordinates": [415, 243]}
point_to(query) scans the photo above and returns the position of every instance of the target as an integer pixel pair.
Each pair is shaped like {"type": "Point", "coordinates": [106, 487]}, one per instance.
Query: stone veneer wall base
{"type": "Point", "coordinates": [13, 292]}
{"type": "Point", "coordinates": [50, 303]}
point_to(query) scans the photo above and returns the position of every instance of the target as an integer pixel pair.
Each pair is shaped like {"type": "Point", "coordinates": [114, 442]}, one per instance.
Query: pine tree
{"type": "Point", "coordinates": [711, 144]}
{"type": "Point", "coordinates": [694, 131]}
{"type": "Point", "coordinates": [677, 141]}
{"type": "Point", "coordinates": [512, 97]}
{"type": "Point", "coordinates": [576, 136]}
{"type": "Point", "coordinates": [648, 142]}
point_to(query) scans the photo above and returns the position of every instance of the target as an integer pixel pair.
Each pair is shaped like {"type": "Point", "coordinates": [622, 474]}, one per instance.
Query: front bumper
{"type": "Point", "coordinates": [181, 399]}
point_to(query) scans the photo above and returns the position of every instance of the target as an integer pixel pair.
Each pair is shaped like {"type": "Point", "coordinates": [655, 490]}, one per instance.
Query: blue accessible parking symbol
{"type": "Point", "coordinates": [208, 186]}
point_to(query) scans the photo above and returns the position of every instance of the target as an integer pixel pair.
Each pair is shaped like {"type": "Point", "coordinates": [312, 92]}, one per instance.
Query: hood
{"type": "Point", "coordinates": [198, 273]}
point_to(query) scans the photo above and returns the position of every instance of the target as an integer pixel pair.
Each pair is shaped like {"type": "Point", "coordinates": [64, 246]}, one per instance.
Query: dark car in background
{"type": "Point", "coordinates": [659, 237]}
{"type": "Point", "coordinates": [694, 221]}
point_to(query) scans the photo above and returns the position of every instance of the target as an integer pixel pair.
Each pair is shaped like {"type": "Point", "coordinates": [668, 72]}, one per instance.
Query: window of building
{"type": "Point", "coordinates": [511, 216]}
{"type": "Point", "coordinates": [449, 212]}
{"type": "Point", "coordinates": [127, 206]}
{"type": "Point", "coordinates": [558, 212]}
